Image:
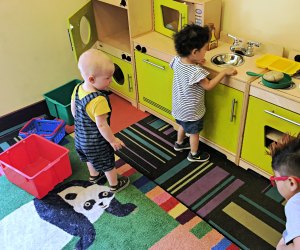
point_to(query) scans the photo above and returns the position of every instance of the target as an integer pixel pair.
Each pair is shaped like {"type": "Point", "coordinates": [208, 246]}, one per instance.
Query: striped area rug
{"type": "Point", "coordinates": [8, 143]}
{"type": "Point", "coordinates": [193, 232]}
{"type": "Point", "coordinates": [240, 204]}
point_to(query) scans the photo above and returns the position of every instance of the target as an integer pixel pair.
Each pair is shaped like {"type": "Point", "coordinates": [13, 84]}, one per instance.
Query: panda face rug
{"type": "Point", "coordinates": [80, 215]}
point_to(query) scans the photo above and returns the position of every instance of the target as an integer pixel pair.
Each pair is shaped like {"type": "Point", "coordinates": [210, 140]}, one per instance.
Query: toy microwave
{"type": "Point", "coordinates": [171, 15]}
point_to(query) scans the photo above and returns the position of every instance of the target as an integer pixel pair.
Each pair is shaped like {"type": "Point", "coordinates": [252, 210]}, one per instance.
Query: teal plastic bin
{"type": "Point", "coordinates": [59, 101]}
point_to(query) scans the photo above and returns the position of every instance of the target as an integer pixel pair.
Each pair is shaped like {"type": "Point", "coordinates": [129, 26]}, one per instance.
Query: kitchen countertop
{"type": "Point", "coordinates": [162, 47]}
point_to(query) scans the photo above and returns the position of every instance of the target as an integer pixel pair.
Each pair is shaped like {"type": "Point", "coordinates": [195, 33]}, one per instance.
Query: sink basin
{"type": "Point", "coordinates": [227, 59]}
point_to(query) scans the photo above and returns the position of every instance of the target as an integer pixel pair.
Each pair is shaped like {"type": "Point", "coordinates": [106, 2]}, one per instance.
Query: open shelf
{"type": "Point", "coordinates": [112, 25]}
{"type": "Point", "coordinates": [118, 40]}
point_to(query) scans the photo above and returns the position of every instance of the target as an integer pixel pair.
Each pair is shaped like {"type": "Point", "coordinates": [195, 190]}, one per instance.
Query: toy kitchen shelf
{"type": "Point", "coordinates": [112, 25]}
{"type": "Point", "coordinates": [109, 24]}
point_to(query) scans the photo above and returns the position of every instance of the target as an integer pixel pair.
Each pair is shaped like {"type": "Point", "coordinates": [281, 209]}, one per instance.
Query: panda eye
{"type": "Point", "coordinates": [104, 194]}
{"type": "Point", "coordinates": [88, 205]}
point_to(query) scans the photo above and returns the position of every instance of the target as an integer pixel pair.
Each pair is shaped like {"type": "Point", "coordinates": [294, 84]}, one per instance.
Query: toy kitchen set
{"type": "Point", "coordinates": [137, 36]}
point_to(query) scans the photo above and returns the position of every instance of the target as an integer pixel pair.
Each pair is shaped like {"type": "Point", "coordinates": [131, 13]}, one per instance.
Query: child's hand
{"type": "Point", "coordinates": [230, 71]}
{"type": "Point", "coordinates": [117, 144]}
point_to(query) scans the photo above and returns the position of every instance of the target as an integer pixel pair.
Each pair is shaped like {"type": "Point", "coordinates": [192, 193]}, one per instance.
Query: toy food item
{"type": "Point", "coordinates": [273, 76]}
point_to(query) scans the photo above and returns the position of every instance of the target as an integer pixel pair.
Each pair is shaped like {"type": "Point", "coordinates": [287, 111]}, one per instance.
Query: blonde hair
{"type": "Point", "coordinates": [93, 62]}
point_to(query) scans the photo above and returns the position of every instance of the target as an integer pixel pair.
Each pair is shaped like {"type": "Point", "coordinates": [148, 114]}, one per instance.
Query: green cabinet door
{"type": "Point", "coordinates": [82, 30]}
{"type": "Point", "coordinates": [154, 79]}
{"type": "Point", "coordinates": [169, 16]}
{"type": "Point", "coordinates": [223, 116]}
{"type": "Point", "coordinates": [265, 121]}
{"type": "Point", "coordinates": [122, 81]}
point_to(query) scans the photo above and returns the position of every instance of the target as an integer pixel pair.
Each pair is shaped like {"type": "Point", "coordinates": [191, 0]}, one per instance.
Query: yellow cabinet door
{"type": "Point", "coordinates": [122, 81]}
{"type": "Point", "coordinates": [154, 79]}
{"type": "Point", "coordinates": [265, 123]}
{"type": "Point", "coordinates": [223, 116]}
{"type": "Point", "coordinates": [82, 30]}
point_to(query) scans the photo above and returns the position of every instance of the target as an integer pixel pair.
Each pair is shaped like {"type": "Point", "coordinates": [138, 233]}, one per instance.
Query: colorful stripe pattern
{"type": "Point", "coordinates": [241, 204]}
{"type": "Point", "coordinates": [206, 236]}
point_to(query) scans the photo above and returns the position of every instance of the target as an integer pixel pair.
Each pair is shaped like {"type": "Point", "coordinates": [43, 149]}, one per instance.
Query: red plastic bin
{"type": "Point", "coordinates": [36, 165]}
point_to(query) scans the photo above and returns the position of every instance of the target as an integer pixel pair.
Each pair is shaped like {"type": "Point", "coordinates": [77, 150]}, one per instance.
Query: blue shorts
{"type": "Point", "coordinates": [192, 127]}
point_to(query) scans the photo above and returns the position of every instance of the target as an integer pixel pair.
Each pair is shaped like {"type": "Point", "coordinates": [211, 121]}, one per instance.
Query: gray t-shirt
{"type": "Point", "coordinates": [292, 214]}
{"type": "Point", "coordinates": [188, 102]}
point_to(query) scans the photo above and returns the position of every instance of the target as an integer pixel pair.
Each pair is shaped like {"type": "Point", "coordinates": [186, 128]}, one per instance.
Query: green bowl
{"type": "Point", "coordinates": [284, 83]}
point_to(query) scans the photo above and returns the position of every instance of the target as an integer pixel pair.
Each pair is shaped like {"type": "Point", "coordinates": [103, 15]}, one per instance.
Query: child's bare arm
{"type": "Point", "coordinates": [295, 245]}
{"type": "Point", "coordinates": [210, 84]}
{"type": "Point", "coordinates": [73, 107]}
{"type": "Point", "coordinates": [107, 133]}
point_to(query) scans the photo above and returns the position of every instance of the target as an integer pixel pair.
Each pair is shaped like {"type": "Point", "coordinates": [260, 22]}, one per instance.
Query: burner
{"type": "Point", "coordinates": [292, 86]}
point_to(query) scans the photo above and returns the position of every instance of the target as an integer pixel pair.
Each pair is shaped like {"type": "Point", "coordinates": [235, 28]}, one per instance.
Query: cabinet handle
{"type": "Point", "coordinates": [281, 117]}
{"type": "Point", "coordinates": [232, 114]}
{"type": "Point", "coordinates": [129, 83]}
{"type": "Point", "coordinates": [153, 64]}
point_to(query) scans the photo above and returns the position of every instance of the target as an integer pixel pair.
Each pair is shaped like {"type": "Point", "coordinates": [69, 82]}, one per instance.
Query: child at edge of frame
{"type": "Point", "coordinates": [189, 85]}
{"type": "Point", "coordinates": [95, 142]}
{"type": "Point", "coordinates": [286, 167]}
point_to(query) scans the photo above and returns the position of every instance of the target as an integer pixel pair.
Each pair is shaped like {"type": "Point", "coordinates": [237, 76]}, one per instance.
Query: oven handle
{"type": "Point", "coordinates": [153, 64]}
{"type": "Point", "coordinates": [281, 117]}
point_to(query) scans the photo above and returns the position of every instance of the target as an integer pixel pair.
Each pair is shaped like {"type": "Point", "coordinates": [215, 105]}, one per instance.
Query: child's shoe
{"type": "Point", "coordinates": [199, 157]}
{"type": "Point", "coordinates": [182, 146]}
{"type": "Point", "coordinates": [95, 179]}
{"type": "Point", "coordinates": [123, 182]}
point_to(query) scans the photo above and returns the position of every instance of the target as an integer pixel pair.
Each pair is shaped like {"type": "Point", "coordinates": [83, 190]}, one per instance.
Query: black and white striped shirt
{"type": "Point", "coordinates": [188, 102]}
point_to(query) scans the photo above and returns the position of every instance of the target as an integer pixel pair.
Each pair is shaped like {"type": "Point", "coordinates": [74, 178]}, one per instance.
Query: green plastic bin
{"type": "Point", "coordinates": [59, 101]}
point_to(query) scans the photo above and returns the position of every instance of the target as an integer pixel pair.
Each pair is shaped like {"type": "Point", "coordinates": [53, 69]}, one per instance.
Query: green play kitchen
{"type": "Point", "coordinates": [245, 112]}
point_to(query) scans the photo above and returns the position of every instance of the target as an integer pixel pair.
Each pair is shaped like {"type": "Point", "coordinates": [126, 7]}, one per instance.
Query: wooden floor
{"type": "Point", "coordinates": [123, 113]}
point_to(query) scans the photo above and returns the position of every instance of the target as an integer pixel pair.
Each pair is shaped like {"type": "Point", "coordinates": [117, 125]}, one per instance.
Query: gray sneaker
{"type": "Point", "coordinates": [182, 146]}
{"type": "Point", "coordinates": [123, 182]}
{"type": "Point", "coordinates": [199, 157]}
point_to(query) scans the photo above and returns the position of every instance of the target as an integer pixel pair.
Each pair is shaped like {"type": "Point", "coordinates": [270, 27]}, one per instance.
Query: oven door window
{"type": "Point", "coordinates": [118, 75]}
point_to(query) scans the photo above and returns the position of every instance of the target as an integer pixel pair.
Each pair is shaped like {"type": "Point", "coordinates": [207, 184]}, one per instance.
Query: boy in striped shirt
{"type": "Point", "coordinates": [189, 84]}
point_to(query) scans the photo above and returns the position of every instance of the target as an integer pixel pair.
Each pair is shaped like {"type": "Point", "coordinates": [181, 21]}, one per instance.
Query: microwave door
{"type": "Point", "coordinates": [169, 16]}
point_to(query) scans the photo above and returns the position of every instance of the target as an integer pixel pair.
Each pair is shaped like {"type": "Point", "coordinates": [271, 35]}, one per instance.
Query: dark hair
{"type": "Point", "coordinates": [191, 37]}
{"type": "Point", "coordinates": [286, 155]}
